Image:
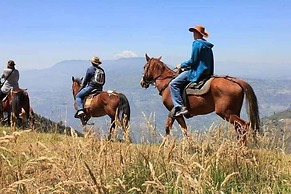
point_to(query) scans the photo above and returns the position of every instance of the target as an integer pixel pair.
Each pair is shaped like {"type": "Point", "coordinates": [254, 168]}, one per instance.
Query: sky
{"type": "Point", "coordinates": [37, 34]}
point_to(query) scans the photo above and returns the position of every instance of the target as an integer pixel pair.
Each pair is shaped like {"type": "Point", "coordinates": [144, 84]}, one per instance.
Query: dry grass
{"type": "Point", "coordinates": [209, 162]}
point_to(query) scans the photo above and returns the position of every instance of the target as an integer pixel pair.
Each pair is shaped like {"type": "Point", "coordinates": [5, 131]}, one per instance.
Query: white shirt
{"type": "Point", "coordinates": [11, 82]}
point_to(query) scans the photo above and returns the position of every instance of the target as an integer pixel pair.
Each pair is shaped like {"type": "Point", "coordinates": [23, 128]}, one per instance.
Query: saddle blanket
{"type": "Point", "coordinates": [89, 99]}
{"type": "Point", "coordinates": [199, 88]}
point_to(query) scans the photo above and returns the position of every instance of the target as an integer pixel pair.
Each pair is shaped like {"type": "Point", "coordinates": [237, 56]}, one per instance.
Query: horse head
{"type": "Point", "coordinates": [154, 69]}
{"type": "Point", "coordinates": [76, 85]}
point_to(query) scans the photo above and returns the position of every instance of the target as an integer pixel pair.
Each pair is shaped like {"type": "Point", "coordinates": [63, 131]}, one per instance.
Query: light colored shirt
{"type": "Point", "coordinates": [11, 82]}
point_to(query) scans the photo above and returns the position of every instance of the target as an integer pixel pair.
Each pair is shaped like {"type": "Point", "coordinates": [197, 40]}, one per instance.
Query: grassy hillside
{"type": "Point", "coordinates": [211, 162]}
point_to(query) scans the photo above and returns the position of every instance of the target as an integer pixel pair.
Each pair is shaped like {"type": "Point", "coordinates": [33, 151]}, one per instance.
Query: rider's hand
{"type": "Point", "coordinates": [178, 67]}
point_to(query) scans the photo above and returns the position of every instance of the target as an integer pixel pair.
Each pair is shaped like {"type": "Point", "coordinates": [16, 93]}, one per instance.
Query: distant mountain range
{"type": "Point", "coordinates": [51, 95]}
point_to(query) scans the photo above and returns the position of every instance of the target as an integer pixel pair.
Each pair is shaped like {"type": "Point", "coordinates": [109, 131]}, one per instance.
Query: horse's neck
{"type": "Point", "coordinates": [163, 82]}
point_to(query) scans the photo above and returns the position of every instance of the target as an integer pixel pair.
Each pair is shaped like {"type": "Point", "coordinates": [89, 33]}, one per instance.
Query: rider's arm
{"type": "Point", "coordinates": [3, 76]}
{"type": "Point", "coordinates": [86, 78]}
{"type": "Point", "coordinates": [89, 74]}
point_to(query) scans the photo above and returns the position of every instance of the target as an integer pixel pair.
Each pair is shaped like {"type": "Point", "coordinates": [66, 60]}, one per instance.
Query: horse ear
{"type": "Point", "coordinates": [81, 78]}
{"type": "Point", "coordinates": [147, 57]}
{"type": "Point", "coordinates": [160, 58]}
{"type": "Point", "coordinates": [73, 79]}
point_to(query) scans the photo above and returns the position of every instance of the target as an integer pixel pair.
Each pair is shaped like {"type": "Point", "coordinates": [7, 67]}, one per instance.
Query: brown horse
{"type": "Point", "coordinates": [225, 97]}
{"type": "Point", "coordinates": [110, 103]}
{"type": "Point", "coordinates": [14, 104]}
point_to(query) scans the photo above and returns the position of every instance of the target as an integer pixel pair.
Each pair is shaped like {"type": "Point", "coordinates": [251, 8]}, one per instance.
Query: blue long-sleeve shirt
{"type": "Point", "coordinates": [89, 78]}
{"type": "Point", "coordinates": [201, 63]}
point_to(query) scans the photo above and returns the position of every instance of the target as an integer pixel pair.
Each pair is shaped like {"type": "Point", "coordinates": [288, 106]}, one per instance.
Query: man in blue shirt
{"type": "Point", "coordinates": [198, 67]}
{"type": "Point", "coordinates": [94, 79]}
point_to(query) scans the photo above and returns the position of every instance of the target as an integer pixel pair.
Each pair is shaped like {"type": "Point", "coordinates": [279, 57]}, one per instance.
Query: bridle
{"type": "Point", "coordinates": [146, 78]}
{"type": "Point", "coordinates": [159, 77]}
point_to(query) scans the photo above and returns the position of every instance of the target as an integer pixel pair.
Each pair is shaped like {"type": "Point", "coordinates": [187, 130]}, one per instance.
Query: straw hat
{"type": "Point", "coordinates": [96, 60]}
{"type": "Point", "coordinates": [199, 29]}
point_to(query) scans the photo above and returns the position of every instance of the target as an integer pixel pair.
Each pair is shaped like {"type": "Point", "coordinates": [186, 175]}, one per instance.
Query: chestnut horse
{"type": "Point", "coordinates": [110, 103]}
{"type": "Point", "coordinates": [14, 104]}
{"type": "Point", "coordinates": [225, 97]}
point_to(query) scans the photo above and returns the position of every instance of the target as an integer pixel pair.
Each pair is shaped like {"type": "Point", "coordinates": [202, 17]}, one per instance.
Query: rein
{"type": "Point", "coordinates": [166, 85]}
{"type": "Point", "coordinates": [159, 77]}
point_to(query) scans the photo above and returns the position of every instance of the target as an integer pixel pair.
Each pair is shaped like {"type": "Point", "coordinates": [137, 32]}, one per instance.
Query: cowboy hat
{"type": "Point", "coordinates": [96, 60]}
{"type": "Point", "coordinates": [199, 29]}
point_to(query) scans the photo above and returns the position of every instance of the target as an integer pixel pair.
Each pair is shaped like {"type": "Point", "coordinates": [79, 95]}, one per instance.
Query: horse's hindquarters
{"type": "Point", "coordinates": [103, 104]}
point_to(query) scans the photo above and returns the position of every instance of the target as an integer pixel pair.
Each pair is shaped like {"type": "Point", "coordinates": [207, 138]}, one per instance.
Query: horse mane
{"type": "Point", "coordinates": [161, 65]}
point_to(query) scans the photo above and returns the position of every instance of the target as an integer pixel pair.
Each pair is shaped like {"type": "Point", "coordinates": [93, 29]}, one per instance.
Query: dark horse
{"type": "Point", "coordinates": [113, 104]}
{"type": "Point", "coordinates": [14, 104]}
{"type": "Point", "coordinates": [225, 97]}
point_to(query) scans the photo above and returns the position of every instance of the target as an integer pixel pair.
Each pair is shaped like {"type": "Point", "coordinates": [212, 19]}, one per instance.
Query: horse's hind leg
{"type": "Point", "coordinates": [240, 126]}
{"type": "Point", "coordinates": [111, 129]}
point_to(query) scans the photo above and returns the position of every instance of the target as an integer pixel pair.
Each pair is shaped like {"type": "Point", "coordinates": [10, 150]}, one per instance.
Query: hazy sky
{"type": "Point", "coordinates": [40, 33]}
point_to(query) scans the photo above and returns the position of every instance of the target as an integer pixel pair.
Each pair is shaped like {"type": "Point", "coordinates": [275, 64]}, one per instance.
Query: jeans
{"type": "Point", "coordinates": [81, 95]}
{"type": "Point", "coordinates": [175, 88]}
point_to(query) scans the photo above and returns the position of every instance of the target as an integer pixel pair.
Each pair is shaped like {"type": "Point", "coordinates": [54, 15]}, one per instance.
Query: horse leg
{"type": "Point", "coordinates": [13, 120]}
{"type": "Point", "coordinates": [169, 125]}
{"type": "Point", "coordinates": [183, 125]}
{"type": "Point", "coordinates": [111, 129]}
{"type": "Point", "coordinates": [31, 118]}
{"type": "Point", "coordinates": [25, 121]}
{"type": "Point", "coordinates": [240, 126]}
{"type": "Point", "coordinates": [1, 111]}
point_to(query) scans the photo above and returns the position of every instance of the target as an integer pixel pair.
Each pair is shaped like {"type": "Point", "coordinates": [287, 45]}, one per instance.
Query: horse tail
{"type": "Point", "coordinates": [252, 107]}
{"type": "Point", "coordinates": [123, 110]}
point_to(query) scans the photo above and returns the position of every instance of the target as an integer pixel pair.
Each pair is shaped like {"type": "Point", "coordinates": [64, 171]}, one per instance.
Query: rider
{"type": "Point", "coordinates": [10, 78]}
{"type": "Point", "coordinates": [198, 67]}
{"type": "Point", "coordinates": [94, 79]}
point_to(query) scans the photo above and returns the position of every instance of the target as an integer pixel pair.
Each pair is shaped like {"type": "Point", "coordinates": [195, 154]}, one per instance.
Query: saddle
{"type": "Point", "coordinates": [93, 93]}
{"type": "Point", "coordinates": [196, 88]}
{"type": "Point", "coordinates": [88, 99]}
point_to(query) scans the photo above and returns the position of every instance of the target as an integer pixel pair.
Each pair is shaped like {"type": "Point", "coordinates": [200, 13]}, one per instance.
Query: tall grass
{"type": "Point", "coordinates": [208, 162]}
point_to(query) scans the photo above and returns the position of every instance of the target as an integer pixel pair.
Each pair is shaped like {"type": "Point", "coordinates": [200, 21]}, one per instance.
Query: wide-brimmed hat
{"type": "Point", "coordinates": [199, 29]}
{"type": "Point", "coordinates": [10, 63]}
{"type": "Point", "coordinates": [95, 60]}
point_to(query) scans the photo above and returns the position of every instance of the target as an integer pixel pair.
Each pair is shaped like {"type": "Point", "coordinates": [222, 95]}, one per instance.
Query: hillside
{"type": "Point", "coordinates": [51, 96]}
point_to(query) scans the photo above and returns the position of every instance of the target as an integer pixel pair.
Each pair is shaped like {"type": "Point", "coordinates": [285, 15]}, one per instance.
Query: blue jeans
{"type": "Point", "coordinates": [175, 88]}
{"type": "Point", "coordinates": [81, 95]}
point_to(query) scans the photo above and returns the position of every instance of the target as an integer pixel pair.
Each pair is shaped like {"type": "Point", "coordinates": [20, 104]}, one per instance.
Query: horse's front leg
{"type": "Point", "coordinates": [13, 122]}
{"type": "Point", "coordinates": [183, 125]}
{"type": "Point", "coordinates": [169, 125]}
{"type": "Point", "coordinates": [181, 121]}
